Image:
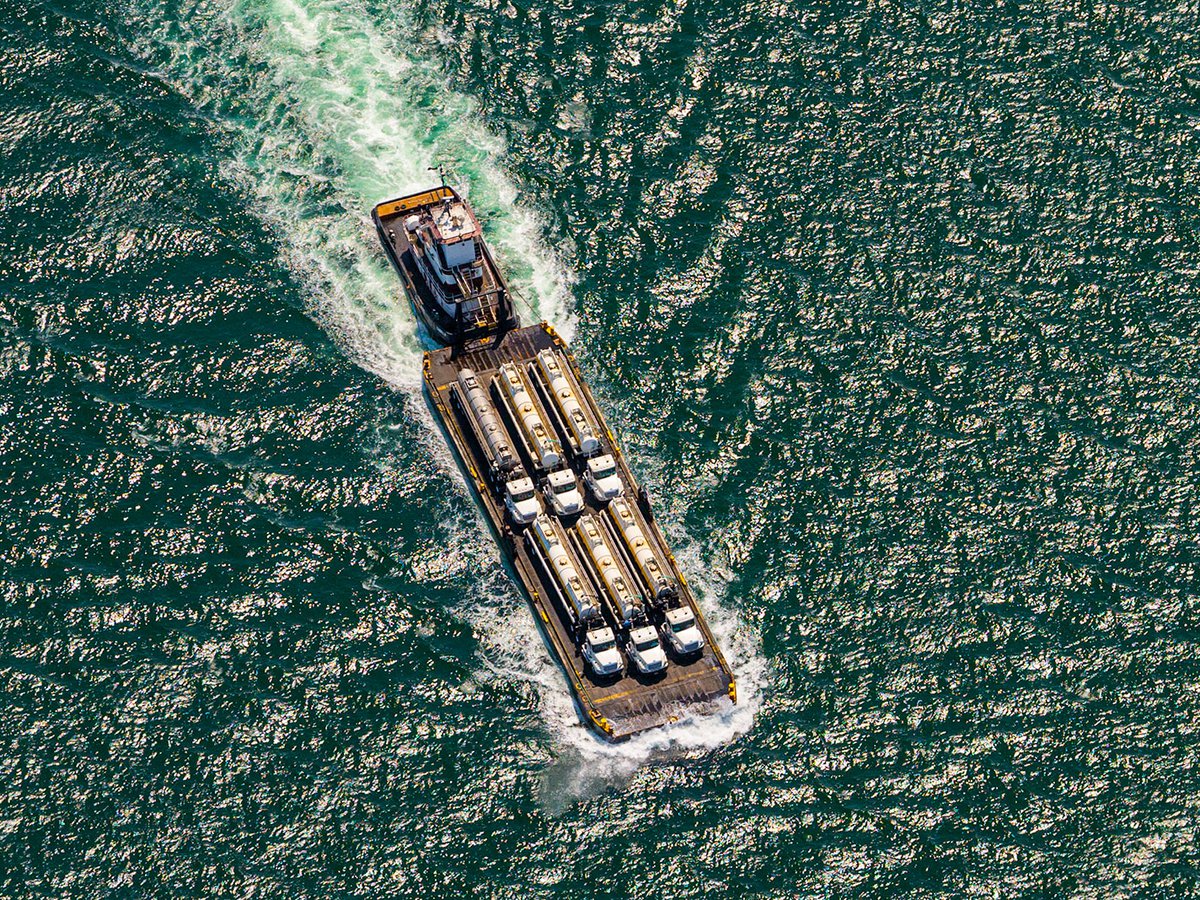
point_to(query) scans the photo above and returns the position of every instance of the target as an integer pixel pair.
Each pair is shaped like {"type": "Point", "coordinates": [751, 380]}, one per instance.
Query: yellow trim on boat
{"type": "Point", "coordinates": [383, 210]}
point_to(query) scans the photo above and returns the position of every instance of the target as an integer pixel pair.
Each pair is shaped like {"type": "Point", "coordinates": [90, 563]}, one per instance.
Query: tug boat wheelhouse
{"type": "Point", "coordinates": [578, 531]}
{"type": "Point", "coordinates": [434, 241]}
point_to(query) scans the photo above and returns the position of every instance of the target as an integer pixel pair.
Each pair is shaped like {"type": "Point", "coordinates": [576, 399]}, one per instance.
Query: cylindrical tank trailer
{"type": "Point", "coordinates": [541, 443]}
{"type": "Point", "coordinates": [627, 604]}
{"type": "Point", "coordinates": [549, 539]}
{"type": "Point", "coordinates": [661, 586]}
{"type": "Point", "coordinates": [495, 438]}
{"type": "Point", "coordinates": [583, 434]}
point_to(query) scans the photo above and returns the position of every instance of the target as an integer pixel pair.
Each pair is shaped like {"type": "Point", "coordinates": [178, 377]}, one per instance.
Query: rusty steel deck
{"type": "Point", "coordinates": [634, 702]}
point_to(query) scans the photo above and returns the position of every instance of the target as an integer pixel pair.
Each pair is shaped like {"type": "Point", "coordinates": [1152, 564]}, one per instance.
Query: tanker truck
{"type": "Point", "coordinates": [593, 637]}
{"type": "Point", "coordinates": [624, 603]}
{"type": "Point", "coordinates": [625, 521]}
{"type": "Point", "coordinates": [504, 468]}
{"type": "Point", "coordinates": [564, 404]}
{"type": "Point", "coordinates": [540, 444]}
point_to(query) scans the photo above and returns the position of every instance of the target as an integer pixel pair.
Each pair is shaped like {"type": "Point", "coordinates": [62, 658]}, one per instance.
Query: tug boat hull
{"type": "Point", "coordinates": [495, 314]}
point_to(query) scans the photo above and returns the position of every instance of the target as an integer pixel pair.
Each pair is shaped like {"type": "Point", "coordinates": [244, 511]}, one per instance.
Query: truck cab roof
{"type": "Point", "coordinates": [561, 477]}
{"type": "Point", "coordinates": [679, 615]}
{"type": "Point", "coordinates": [643, 635]}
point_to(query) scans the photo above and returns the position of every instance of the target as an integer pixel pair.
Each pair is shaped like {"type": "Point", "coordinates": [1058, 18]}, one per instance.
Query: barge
{"type": "Point", "coordinates": [574, 524]}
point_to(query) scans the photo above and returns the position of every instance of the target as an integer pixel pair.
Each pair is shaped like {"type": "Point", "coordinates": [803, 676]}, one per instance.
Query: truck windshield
{"type": "Point", "coordinates": [682, 626]}
{"type": "Point", "coordinates": [605, 471]}
{"type": "Point", "coordinates": [648, 644]}
{"type": "Point", "coordinates": [565, 487]}
{"type": "Point", "coordinates": [522, 496]}
{"type": "Point", "coordinates": [601, 646]}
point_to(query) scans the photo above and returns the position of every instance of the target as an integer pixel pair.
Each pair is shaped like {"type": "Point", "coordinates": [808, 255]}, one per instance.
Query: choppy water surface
{"type": "Point", "coordinates": [893, 307]}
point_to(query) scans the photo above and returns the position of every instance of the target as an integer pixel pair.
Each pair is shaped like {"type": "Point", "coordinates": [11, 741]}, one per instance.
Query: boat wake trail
{"type": "Point", "coordinates": [588, 766]}
{"type": "Point", "coordinates": [326, 114]}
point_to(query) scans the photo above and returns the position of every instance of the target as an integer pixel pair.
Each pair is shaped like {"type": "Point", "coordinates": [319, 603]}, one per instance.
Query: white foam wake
{"type": "Point", "coordinates": [327, 113]}
{"type": "Point", "coordinates": [590, 765]}
{"type": "Point", "coordinates": [585, 765]}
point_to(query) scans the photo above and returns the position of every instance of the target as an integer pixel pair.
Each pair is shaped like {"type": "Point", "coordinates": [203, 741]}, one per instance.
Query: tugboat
{"type": "Point", "coordinates": [572, 521]}
{"type": "Point", "coordinates": [434, 241]}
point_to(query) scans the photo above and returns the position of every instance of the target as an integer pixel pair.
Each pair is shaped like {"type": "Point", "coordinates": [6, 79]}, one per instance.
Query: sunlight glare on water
{"type": "Point", "coordinates": [892, 309]}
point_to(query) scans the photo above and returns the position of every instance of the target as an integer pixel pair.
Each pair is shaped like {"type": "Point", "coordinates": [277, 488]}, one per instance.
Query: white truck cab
{"type": "Point", "coordinates": [563, 493]}
{"type": "Point", "coordinates": [602, 479]}
{"type": "Point", "coordinates": [600, 651]}
{"type": "Point", "coordinates": [520, 499]}
{"type": "Point", "coordinates": [680, 631]}
{"type": "Point", "coordinates": [645, 650]}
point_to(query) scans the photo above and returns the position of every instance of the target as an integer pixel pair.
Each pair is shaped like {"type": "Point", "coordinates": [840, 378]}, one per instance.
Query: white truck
{"type": "Point", "coordinates": [521, 501]}
{"type": "Point", "coordinates": [624, 602]}
{"type": "Point", "coordinates": [595, 639]}
{"type": "Point", "coordinates": [504, 467]}
{"type": "Point", "coordinates": [645, 650]}
{"type": "Point", "coordinates": [563, 493]}
{"type": "Point", "coordinates": [599, 648]}
{"type": "Point", "coordinates": [680, 632]}
{"type": "Point", "coordinates": [601, 477]}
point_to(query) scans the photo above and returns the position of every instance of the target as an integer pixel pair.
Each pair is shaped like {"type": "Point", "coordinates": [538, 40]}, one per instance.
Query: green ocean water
{"type": "Point", "coordinates": [894, 307]}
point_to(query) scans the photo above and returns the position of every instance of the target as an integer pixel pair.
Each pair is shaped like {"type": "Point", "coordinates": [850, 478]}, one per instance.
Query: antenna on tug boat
{"type": "Point", "coordinates": [446, 189]}
{"type": "Point", "coordinates": [441, 170]}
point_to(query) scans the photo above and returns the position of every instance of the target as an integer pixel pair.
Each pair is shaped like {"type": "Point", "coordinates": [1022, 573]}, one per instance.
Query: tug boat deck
{"type": "Point", "coordinates": [436, 245]}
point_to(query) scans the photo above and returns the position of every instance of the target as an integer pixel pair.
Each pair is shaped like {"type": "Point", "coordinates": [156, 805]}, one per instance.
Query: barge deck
{"type": "Point", "coordinates": [634, 702]}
